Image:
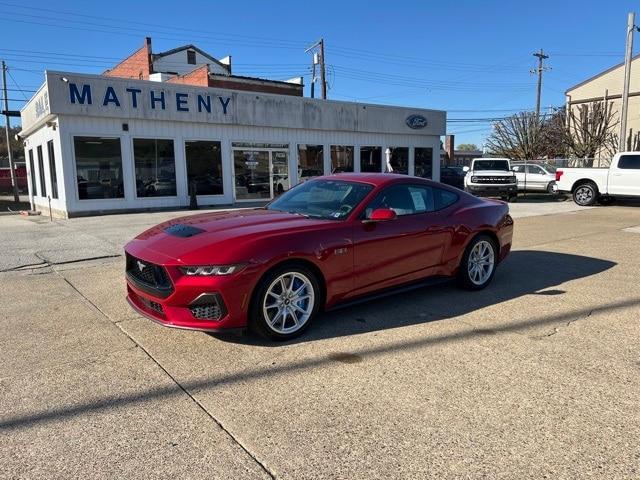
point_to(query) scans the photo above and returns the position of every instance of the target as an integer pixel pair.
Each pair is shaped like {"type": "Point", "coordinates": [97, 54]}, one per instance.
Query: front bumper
{"type": "Point", "coordinates": [493, 190]}
{"type": "Point", "coordinates": [193, 298]}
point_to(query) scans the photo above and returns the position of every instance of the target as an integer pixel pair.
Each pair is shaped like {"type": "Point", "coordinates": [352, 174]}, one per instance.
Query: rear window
{"type": "Point", "coordinates": [491, 165]}
{"type": "Point", "coordinates": [631, 162]}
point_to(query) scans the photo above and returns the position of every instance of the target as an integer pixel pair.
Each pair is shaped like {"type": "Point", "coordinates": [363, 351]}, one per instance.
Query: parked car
{"type": "Point", "coordinates": [324, 242]}
{"type": "Point", "coordinates": [589, 185]}
{"type": "Point", "coordinates": [491, 177]}
{"type": "Point", "coordinates": [535, 177]}
{"type": "Point", "coordinates": [453, 175]}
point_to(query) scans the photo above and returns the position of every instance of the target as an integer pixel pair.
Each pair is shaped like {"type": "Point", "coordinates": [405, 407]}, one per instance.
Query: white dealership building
{"type": "Point", "coordinates": [97, 144]}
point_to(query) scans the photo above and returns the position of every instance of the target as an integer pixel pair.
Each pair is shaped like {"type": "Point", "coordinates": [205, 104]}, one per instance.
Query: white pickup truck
{"type": "Point", "coordinates": [588, 185]}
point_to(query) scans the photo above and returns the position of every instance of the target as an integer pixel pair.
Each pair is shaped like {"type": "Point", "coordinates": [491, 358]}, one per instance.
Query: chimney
{"type": "Point", "coordinates": [147, 42]}
{"type": "Point", "coordinates": [449, 148]}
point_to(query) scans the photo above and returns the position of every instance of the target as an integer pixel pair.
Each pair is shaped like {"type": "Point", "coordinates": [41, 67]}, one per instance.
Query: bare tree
{"type": "Point", "coordinates": [518, 137]}
{"type": "Point", "coordinates": [590, 131]}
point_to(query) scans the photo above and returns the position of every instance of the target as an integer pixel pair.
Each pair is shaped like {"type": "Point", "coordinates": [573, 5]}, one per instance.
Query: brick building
{"type": "Point", "coordinates": [189, 65]}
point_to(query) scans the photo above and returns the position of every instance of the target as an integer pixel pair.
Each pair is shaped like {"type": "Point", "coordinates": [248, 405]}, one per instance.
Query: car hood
{"type": "Point", "coordinates": [493, 173]}
{"type": "Point", "coordinates": [215, 237]}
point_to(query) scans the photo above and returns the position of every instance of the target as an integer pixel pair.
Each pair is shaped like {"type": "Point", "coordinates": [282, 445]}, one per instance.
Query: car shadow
{"type": "Point", "coordinates": [524, 272]}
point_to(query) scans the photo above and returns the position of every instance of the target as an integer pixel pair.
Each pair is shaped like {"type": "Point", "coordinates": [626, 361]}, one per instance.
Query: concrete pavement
{"type": "Point", "coordinates": [534, 377]}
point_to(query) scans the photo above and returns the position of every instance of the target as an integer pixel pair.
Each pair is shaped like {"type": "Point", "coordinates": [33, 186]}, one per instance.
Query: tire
{"type": "Point", "coordinates": [471, 279]}
{"type": "Point", "coordinates": [585, 194]}
{"type": "Point", "coordinates": [550, 188]}
{"type": "Point", "coordinates": [512, 198]}
{"type": "Point", "coordinates": [273, 308]}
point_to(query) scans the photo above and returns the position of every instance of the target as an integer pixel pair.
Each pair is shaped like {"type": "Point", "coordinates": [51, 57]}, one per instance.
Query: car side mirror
{"type": "Point", "coordinates": [465, 169]}
{"type": "Point", "coordinates": [381, 215]}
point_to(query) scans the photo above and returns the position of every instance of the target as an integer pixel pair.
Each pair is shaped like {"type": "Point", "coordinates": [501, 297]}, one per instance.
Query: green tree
{"type": "Point", "coordinates": [16, 146]}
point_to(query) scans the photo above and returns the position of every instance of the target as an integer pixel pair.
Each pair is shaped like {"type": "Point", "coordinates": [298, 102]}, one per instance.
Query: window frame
{"type": "Point", "coordinates": [94, 135]}
{"type": "Point", "coordinates": [53, 173]}
{"type": "Point", "coordinates": [32, 173]}
{"type": "Point", "coordinates": [135, 175]}
{"type": "Point", "coordinates": [186, 167]}
{"type": "Point", "coordinates": [41, 175]}
{"type": "Point", "coordinates": [636, 158]}
{"type": "Point", "coordinates": [345, 147]}
{"type": "Point", "coordinates": [191, 55]}
{"type": "Point", "coordinates": [363, 215]}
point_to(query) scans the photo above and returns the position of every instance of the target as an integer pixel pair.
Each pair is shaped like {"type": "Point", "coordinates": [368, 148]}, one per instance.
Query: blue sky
{"type": "Point", "coordinates": [470, 58]}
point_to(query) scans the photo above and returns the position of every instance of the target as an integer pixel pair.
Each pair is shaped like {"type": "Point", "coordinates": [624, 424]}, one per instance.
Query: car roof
{"type": "Point", "coordinates": [371, 178]}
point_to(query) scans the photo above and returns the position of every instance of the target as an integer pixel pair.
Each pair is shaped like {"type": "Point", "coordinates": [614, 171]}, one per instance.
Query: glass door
{"type": "Point", "coordinates": [252, 175]}
{"type": "Point", "coordinates": [280, 172]}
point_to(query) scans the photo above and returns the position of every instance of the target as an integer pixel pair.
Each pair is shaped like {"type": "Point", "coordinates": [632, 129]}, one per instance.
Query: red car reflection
{"type": "Point", "coordinates": [328, 240]}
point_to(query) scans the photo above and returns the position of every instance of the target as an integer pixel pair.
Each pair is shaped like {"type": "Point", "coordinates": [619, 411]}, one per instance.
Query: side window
{"type": "Point", "coordinates": [444, 198]}
{"type": "Point", "coordinates": [534, 169]}
{"type": "Point", "coordinates": [631, 162]}
{"type": "Point", "coordinates": [404, 200]}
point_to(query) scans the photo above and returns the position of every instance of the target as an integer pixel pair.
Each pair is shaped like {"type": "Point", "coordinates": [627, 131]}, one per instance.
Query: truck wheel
{"type": "Point", "coordinates": [550, 188]}
{"type": "Point", "coordinates": [585, 194]}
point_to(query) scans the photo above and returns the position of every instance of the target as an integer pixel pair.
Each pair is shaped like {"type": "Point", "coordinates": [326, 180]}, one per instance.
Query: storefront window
{"type": "Point", "coordinates": [98, 167]}
{"type": "Point", "coordinates": [32, 170]}
{"type": "Point", "coordinates": [423, 162]}
{"type": "Point", "coordinates": [371, 159]}
{"type": "Point", "coordinates": [310, 161]}
{"type": "Point", "coordinates": [400, 160]}
{"type": "Point", "coordinates": [204, 167]}
{"type": "Point", "coordinates": [43, 184]}
{"type": "Point", "coordinates": [155, 167]}
{"type": "Point", "coordinates": [52, 169]}
{"type": "Point", "coordinates": [341, 158]}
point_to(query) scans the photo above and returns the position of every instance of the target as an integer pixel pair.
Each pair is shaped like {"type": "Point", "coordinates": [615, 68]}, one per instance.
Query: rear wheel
{"type": "Point", "coordinates": [550, 188]}
{"type": "Point", "coordinates": [585, 194]}
{"type": "Point", "coordinates": [286, 301]}
{"type": "Point", "coordinates": [478, 263]}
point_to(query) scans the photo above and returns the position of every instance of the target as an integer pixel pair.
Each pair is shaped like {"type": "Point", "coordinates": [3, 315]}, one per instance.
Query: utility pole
{"type": "Point", "coordinates": [541, 58]}
{"type": "Point", "coordinates": [7, 127]}
{"type": "Point", "coordinates": [627, 76]}
{"type": "Point", "coordinates": [323, 73]}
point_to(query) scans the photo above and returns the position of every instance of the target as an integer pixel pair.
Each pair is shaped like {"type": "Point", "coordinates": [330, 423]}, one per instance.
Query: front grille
{"type": "Point", "coordinates": [493, 180]}
{"type": "Point", "coordinates": [155, 306]}
{"type": "Point", "coordinates": [149, 277]}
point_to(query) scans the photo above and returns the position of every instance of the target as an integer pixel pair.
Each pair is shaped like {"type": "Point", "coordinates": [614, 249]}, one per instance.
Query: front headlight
{"type": "Point", "coordinates": [210, 270]}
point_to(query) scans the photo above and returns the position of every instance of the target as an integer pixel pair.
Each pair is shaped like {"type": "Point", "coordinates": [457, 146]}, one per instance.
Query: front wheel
{"type": "Point", "coordinates": [286, 301]}
{"type": "Point", "coordinates": [585, 194]}
{"type": "Point", "coordinates": [478, 263]}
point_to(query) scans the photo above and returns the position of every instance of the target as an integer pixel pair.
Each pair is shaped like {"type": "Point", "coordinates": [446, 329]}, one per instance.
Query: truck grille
{"type": "Point", "coordinates": [149, 277]}
{"type": "Point", "coordinates": [493, 180]}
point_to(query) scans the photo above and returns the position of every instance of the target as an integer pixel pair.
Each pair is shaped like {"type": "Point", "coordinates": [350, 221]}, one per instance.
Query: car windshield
{"type": "Point", "coordinates": [491, 165]}
{"type": "Point", "coordinates": [326, 199]}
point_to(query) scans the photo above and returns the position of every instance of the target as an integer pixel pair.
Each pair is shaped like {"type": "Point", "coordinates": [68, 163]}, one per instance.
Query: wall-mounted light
{"type": "Point", "coordinates": [51, 125]}
{"type": "Point", "coordinates": [64, 79]}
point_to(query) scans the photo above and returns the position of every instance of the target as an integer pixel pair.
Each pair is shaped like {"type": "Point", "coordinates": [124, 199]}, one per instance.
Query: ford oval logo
{"type": "Point", "coordinates": [416, 121]}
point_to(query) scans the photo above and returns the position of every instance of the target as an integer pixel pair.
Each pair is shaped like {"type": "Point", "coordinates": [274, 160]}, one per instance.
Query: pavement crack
{"type": "Point", "coordinates": [231, 436]}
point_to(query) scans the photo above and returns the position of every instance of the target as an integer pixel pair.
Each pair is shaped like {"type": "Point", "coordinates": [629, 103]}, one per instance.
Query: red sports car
{"type": "Point", "coordinates": [327, 241]}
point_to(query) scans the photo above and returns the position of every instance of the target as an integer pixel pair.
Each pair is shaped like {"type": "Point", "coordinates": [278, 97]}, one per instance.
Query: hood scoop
{"type": "Point", "coordinates": [183, 231]}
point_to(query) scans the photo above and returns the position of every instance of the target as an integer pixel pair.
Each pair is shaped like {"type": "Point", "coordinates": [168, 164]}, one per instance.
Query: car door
{"type": "Point", "coordinates": [536, 178]}
{"type": "Point", "coordinates": [624, 178]}
{"type": "Point", "coordinates": [390, 252]}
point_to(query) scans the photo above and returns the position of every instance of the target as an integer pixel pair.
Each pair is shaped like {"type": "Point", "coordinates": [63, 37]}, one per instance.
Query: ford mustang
{"type": "Point", "coordinates": [327, 241]}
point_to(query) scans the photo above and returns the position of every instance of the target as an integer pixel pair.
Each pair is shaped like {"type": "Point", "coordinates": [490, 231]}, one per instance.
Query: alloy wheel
{"type": "Point", "coordinates": [288, 303]}
{"type": "Point", "coordinates": [584, 195]}
{"type": "Point", "coordinates": [481, 262]}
